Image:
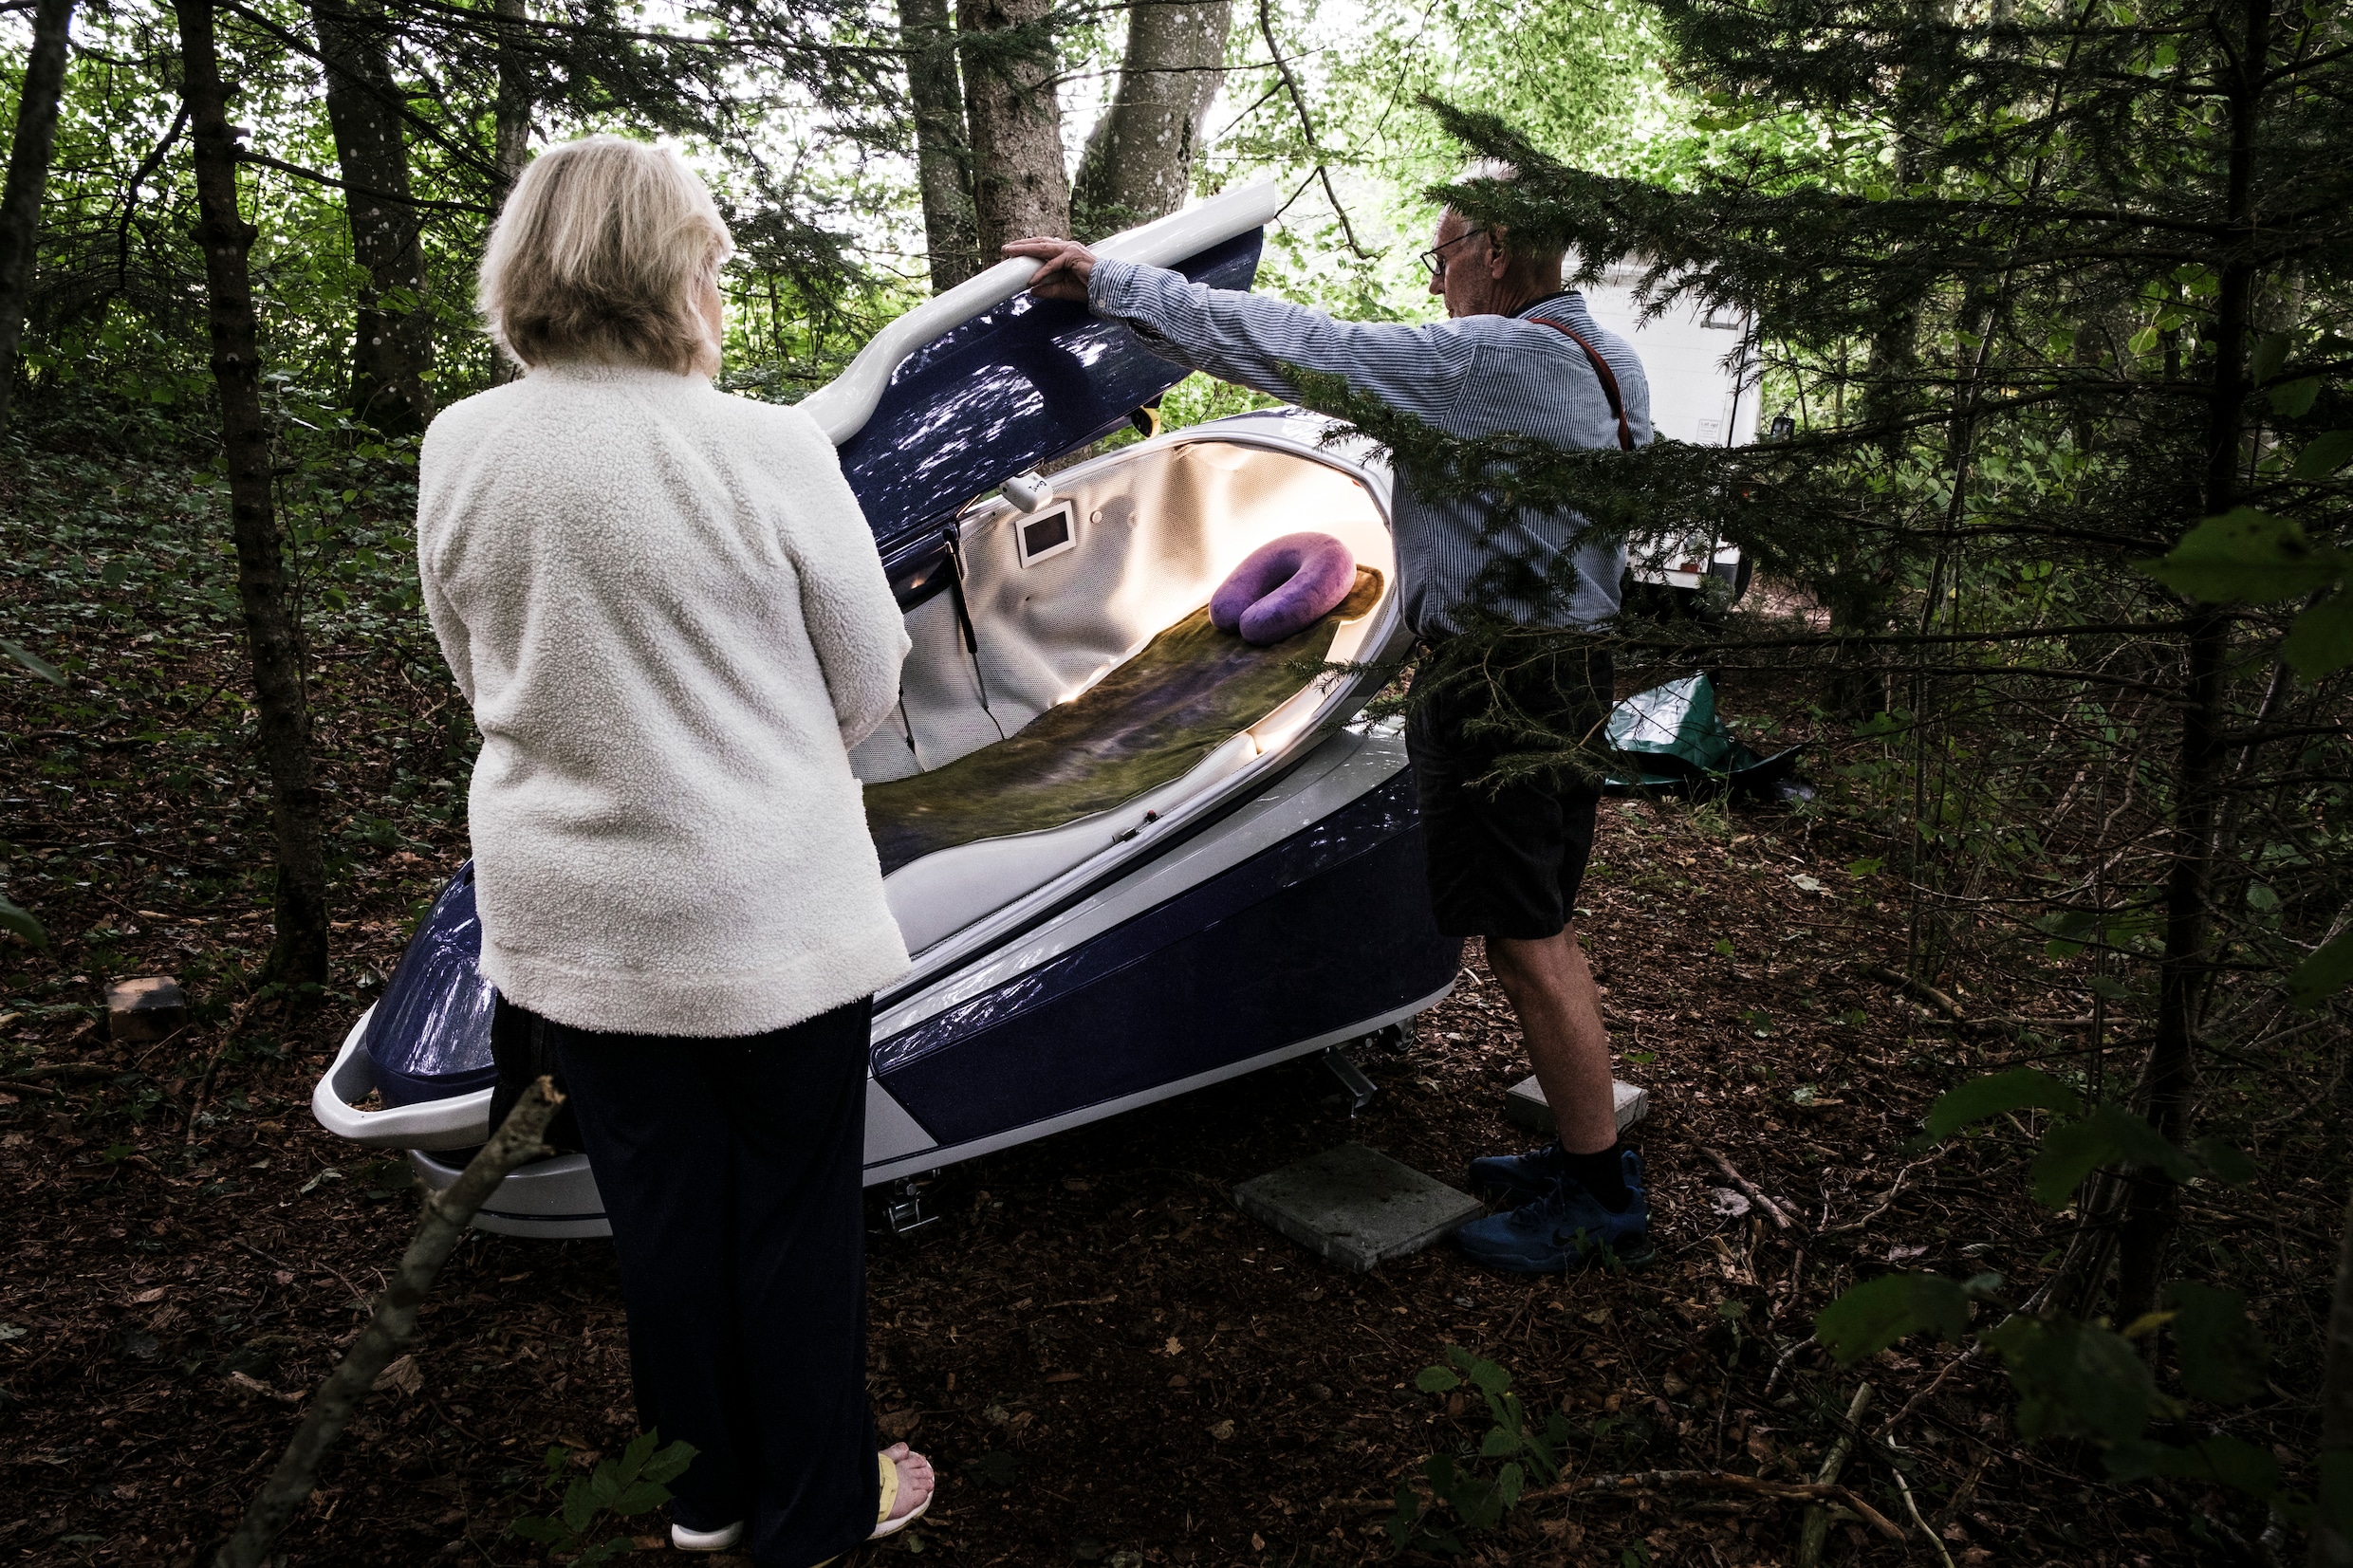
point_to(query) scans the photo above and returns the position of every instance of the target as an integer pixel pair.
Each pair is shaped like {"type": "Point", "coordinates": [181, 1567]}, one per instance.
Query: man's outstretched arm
{"type": "Point", "coordinates": [1251, 337]}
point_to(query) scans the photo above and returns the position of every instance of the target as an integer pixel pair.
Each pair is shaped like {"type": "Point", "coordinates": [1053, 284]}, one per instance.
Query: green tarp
{"type": "Point", "coordinates": [1145, 723]}
{"type": "Point", "coordinates": [1671, 738]}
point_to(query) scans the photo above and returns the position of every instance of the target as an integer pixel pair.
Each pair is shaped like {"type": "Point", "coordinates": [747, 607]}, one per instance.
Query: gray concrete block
{"type": "Point", "coordinates": [1524, 1102]}
{"type": "Point", "coordinates": [1356, 1207]}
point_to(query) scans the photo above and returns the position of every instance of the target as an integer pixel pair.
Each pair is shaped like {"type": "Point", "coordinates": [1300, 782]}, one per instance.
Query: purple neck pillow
{"type": "Point", "coordinates": [1283, 587]}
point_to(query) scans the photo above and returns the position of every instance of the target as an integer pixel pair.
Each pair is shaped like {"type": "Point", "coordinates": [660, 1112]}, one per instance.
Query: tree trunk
{"type": "Point", "coordinates": [29, 172]}
{"type": "Point", "coordinates": [2153, 1201]}
{"type": "Point", "coordinates": [514, 93]}
{"type": "Point", "coordinates": [392, 344]}
{"type": "Point", "coordinates": [1019, 185]}
{"type": "Point", "coordinates": [943, 158]}
{"type": "Point", "coordinates": [300, 950]}
{"type": "Point", "coordinates": [1137, 165]}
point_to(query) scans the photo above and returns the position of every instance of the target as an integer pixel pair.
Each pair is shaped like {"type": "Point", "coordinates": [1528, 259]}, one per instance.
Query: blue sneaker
{"type": "Point", "coordinates": [1566, 1228]}
{"type": "Point", "coordinates": [1516, 1179]}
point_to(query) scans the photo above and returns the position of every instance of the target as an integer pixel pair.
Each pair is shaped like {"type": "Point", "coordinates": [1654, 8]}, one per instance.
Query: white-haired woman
{"type": "Point", "coordinates": [667, 612]}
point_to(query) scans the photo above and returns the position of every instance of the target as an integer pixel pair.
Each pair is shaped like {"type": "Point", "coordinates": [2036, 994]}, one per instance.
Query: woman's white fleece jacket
{"type": "Point", "coordinates": [666, 609]}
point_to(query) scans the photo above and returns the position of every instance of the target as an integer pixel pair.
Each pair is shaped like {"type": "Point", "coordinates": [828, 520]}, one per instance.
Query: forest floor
{"type": "Point", "coordinates": [1107, 1362]}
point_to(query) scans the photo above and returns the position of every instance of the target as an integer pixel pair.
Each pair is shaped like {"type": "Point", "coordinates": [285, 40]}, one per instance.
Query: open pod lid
{"type": "Point", "coordinates": [987, 381]}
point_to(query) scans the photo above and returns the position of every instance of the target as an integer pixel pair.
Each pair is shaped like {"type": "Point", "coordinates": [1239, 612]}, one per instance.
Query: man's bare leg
{"type": "Point", "coordinates": [1560, 1013]}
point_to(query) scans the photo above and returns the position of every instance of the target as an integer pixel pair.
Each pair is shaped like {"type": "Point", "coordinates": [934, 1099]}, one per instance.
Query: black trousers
{"type": "Point", "coordinates": [1507, 862]}
{"type": "Point", "coordinates": [730, 1170]}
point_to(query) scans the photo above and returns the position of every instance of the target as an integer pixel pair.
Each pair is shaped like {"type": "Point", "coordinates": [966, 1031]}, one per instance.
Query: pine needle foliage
{"type": "Point", "coordinates": [2053, 296]}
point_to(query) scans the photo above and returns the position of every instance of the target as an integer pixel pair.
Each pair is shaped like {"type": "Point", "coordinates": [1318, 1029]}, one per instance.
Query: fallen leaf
{"type": "Point", "coordinates": [246, 1383]}
{"type": "Point", "coordinates": [144, 1297]}
{"type": "Point", "coordinates": [1176, 1346]}
{"type": "Point", "coordinates": [1724, 1200]}
{"type": "Point", "coordinates": [1899, 1252]}
{"type": "Point", "coordinates": [1222, 1431]}
{"type": "Point", "coordinates": [402, 1374]}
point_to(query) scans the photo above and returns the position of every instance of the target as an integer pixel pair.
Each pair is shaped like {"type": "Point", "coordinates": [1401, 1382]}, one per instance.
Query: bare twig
{"type": "Point", "coordinates": [438, 1228]}
{"type": "Point", "coordinates": [1781, 1365]}
{"type": "Point", "coordinates": [315, 1268]}
{"type": "Point", "coordinates": [1943, 1556]}
{"type": "Point", "coordinates": [1890, 1198]}
{"type": "Point", "coordinates": [1306, 124]}
{"type": "Point", "coordinates": [1779, 1217]}
{"type": "Point", "coordinates": [1814, 1528]}
{"type": "Point", "coordinates": [211, 1063]}
{"type": "Point", "coordinates": [1793, 1491]}
{"type": "Point", "coordinates": [1912, 1404]}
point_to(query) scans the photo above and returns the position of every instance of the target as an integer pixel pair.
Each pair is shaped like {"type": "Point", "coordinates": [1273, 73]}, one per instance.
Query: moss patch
{"type": "Point", "coordinates": [1147, 723]}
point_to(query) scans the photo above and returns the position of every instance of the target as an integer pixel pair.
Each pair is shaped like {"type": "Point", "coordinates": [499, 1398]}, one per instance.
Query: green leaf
{"type": "Point", "coordinates": [1979, 1098]}
{"type": "Point", "coordinates": [2323, 974]}
{"type": "Point", "coordinates": [2323, 456]}
{"type": "Point", "coordinates": [1489, 1378]}
{"type": "Point", "coordinates": [2245, 555]}
{"type": "Point", "coordinates": [604, 1551]}
{"type": "Point", "coordinates": [540, 1527]}
{"type": "Point", "coordinates": [1400, 1523]}
{"type": "Point", "coordinates": [2226, 1460]}
{"type": "Point", "coordinates": [1436, 1380]}
{"type": "Point", "coordinates": [2335, 1499]}
{"type": "Point", "coordinates": [2229, 1164]}
{"type": "Point", "coordinates": [22, 924]}
{"type": "Point", "coordinates": [1868, 866]}
{"type": "Point", "coordinates": [2271, 353]}
{"type": "Point", "coordinates": [2295, 400]}
{"type": "Point", "coordinates": [114, 572]}
{"type": "Point", "coordinates": [1876, 1313]}
{"type": "Point", "coordinates": [670, 1463]}
{"type": "Point", "coordinates": [2320, 641]}
{"type": "Point", "coordinates": [32, 662]}
{"type": "Point", "coordinates": [2223, 1358]}
{"type": "Point", "coordinates": [1510, 1482]}
{"type": "Point", "coordinates": [1724, 945]}
{"type": "Point", "coordinates": [638, 1497]}
{"type": "Point", "coordinates": [633, 1458]}
{"type": "Point", "coordinates": [2110, 989]}
{"type": "Point", "coordinates": [580, 1507]}
{"type": "Point", "coordinates": [604, 1484]}
{"type": "Point", "coordinates": [1499, 1444]}
{"type": "Point", "coordinates": [2076, 1149]}
{"type": "Point", "coordinates": [2075, 1379]}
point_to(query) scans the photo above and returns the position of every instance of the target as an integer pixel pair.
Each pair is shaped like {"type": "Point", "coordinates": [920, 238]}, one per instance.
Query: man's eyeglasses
{"type": "Point", "coordinates": [1434, 260]}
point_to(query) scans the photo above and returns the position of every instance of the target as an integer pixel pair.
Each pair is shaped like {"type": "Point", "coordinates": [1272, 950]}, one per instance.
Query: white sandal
{"type": "Point", "coordinates": [885, 1524]}
{"type": "Point", "coordinates": [705, 1540]}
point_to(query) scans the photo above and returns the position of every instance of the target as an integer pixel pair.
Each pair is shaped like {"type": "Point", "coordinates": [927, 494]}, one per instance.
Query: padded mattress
{"type": "Point", "coordinates": [1145, 723]}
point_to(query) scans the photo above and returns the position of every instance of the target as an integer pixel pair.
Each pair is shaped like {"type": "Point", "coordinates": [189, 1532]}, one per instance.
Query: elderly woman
{"type": "Point", "coordinates": [668, 615]}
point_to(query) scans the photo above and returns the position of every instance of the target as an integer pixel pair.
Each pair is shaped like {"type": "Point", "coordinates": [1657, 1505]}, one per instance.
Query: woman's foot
{"type": "Point", "coordinates": [914, 1489]}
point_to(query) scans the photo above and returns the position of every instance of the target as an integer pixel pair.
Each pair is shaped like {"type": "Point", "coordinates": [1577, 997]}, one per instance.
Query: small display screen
{"type": "Point", "coordinates": [1045, 534]}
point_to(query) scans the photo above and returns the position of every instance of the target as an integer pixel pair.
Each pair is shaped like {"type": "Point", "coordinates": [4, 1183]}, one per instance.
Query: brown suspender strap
{"type": "Point", "coordinates": [1601, 368]}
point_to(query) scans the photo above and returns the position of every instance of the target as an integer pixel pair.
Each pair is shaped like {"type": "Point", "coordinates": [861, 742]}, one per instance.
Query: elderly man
{"type": "Point", "coordinates": [1518, 354]}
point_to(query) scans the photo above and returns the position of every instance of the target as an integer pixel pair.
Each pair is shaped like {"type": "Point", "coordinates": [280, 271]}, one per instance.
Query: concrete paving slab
{"type": "Point", "coordinates": [1524, 1102]}
{"type": "Point", "coordinates": [1355, 1206]}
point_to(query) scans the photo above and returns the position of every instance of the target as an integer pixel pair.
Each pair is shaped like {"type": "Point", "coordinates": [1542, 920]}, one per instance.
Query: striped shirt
{"type": "Point", "coordinates": [1471, 376]}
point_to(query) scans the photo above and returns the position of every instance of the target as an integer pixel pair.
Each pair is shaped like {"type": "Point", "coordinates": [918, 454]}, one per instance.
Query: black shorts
{"type": "Point", "coordinates": [1507, 862]}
